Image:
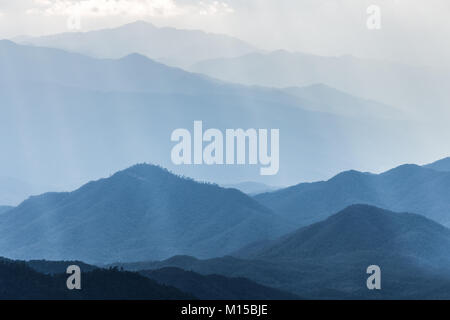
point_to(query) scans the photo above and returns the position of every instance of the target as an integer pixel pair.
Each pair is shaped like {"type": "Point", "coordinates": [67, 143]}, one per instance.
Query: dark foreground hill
{"type": "Point", "coordinates": [144, 212]}
{"type": "Point", "coordinates": [216, 287]}
{"type": "Point", "coordinates": [408, 188]}
{"type": "Point", "coordinates": [329, 259]}
{"type": "Point", "coordinates": [19, 281]}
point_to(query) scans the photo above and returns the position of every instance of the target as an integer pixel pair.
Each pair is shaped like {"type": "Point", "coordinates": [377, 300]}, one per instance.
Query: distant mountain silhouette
{"type": "Point", "coordinates": [329, 259]}
{"type": "Point", "coordinates": [406, 87]}
{"type": "Point", "coordinates": [363, 228]}
{"type": "Point", "coordinates": [84, 118]}
{"type": "Point", "coordinates": [406, 188]}
{"type": "Point", "coordinates": [169, 45]}
{"type": "Point", "coordinates": [21, 282]}
{"type": "Point", "coordinates": [326, 99]}
{"type": "Point", "coordinates": [216, 287]}
{"type": "Point", "coordinates": [440, 165]}
{"type": "Point", "coordinates": [140, 213]}
{"type": "Point", "coordinates": [132, 73]}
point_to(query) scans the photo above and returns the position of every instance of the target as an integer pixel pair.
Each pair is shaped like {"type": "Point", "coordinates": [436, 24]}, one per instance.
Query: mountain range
{"type": "Point", "coordinates": [329, 259]}
{"type": "Point", "coordinates": [412, 88]}
{"type": "Point", "coordinates": [20, 282]}
{"type": "Point", "coordinates": [409, 188]}
{"type": "Point", "coordinates": [81, 118]}
{"type": "Point", "coordinates": [171, 46]}
{"type": "Point", "coordinates": [146, 213]}
{"type": "Point", "coordinates": [140, 213]}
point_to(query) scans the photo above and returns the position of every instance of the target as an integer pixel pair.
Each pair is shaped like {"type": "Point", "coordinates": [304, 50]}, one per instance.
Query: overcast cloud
{"type": "Point", "coordinates": [413, 31]}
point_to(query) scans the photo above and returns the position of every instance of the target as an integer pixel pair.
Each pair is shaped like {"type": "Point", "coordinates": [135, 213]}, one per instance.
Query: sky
{"type": "Point", "coordinates": [412, 31]}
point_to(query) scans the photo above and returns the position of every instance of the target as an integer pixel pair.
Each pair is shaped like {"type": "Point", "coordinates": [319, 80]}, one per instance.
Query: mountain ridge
{"type": "Point", "coordinates": [142, 211]}
{"type": "Point", "coordinates": [328, 260]}
{"type": "Point", "coordinates": [145, 38]}
{"type": "Point", "coordinates": [397, 189]}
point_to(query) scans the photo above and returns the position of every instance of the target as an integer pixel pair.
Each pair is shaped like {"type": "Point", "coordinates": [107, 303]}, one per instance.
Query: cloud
{"type": "Point", "coordinates": [138, 8]}
{"type": "Point", "coordinates": [214, 8]}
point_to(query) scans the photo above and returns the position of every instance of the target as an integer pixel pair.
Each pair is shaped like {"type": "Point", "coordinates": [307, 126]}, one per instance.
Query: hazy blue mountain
{"type": "Point", "coordinates": [251, 188]}
{"type": "Point", "coordinates": [5, 208]}
{"type": "Point", "coordinates": [21, 282]}
{"type": "Point", "coordinates": [215, 287]}
{"type": "Point", "coordinates": [406, 87]}
{"type": "Point", "coordinates": [364, 228]}
{"type": "Point", "coordinates": [132, 73]}
{"type": "Point", "coordinates": [80, 118]}
{"type": "Point", "coordinates": [140, 213]}
{"type": "Point", "coordinates": [168, 45]}
{"type": "Point", "coordinates": [329, 259]}
{"type": "Point", "coordinates": [406, 188]}
{"type": "Point", "coordinates": [440, 165]}
{"type": "Point", "coordinates": [326, 99]}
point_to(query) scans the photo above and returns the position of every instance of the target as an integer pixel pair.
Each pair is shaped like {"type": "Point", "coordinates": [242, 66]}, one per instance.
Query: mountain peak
{"type": "Point", "coordinates": [139, 24]}
{"type": "Point", "coordinates": [144, 212]}
{"type": "Point", "coordinates": [136, 57]}
{"type": "Point", "coordinates": [363, 228]}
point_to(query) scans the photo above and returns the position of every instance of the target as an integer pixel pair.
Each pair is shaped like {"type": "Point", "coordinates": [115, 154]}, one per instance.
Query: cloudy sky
{"type": "Point", "coordinates": [412, 31]}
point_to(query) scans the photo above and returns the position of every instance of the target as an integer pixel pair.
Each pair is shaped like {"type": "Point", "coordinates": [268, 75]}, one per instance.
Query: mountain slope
{"type": "Point", "coordinates": [115, 113]}
{"type": "Point", "coordinates": [403, 86]}
{"type": "Point", "coordinates": [168, 45]}
{"type": "Point", "coordinates": [132, 73]}
{"type": "Point", "coordinates": [363, 228]}
{"type": "Point", "coordinates": [440, 165]}
{"type": "Point", "coordinates": [215, 287]}
{"type": "Point", "coordinates": [406, 188]}
{"type": "Point", "coordinates": [5, 208]}
{"type": "Point", "coordinates": [326, 99]}
{"type": "Point", "coordinates": [329, 259]}
{"type": "Point", "coordinates": [143, 212]}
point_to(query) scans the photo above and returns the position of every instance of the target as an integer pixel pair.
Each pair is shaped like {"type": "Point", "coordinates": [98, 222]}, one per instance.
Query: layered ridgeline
{"type": "Point", "coordinates": [20, 281]}
{"type": "Point", "coordinates": [80, 118]}
{"type": "Point", "coordinates": [329, 259]}
{"type": "Point", "coordinates": [168, 45]}
{"type": "Point", "coordinates": [216, 287]}
{"type": "Point", "coordinates": [141, 213]}
{"type": "Point", "coordinates": [43, 279]}
{"type": "Point", "coordinates": [406, 188]}
{"type": "Point", "coordinates": [401, 85]}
